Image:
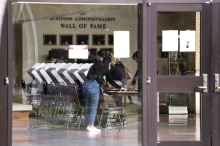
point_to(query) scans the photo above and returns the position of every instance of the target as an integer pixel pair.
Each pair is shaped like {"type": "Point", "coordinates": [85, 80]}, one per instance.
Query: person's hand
{"type": "Point", "coordinates": [107, 87]}
{"type": "Point", "coordinates": [131, 87]}
{"type": "Point", "coordinates": [119, 83]}
{"type": "Point", "coordinates": [123, 89]}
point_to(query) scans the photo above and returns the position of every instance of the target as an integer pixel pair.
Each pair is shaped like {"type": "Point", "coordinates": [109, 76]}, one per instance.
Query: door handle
{"type": "Point", "coordinates": [217, 83]}
{"type": "Point", "coordinates": [204, 87]}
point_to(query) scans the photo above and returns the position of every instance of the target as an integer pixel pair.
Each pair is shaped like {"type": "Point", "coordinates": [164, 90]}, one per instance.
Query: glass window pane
{"type": "Point", "coordinates": [48, 86]}
{"type": "Point", "coordinates": [179, 117]}
{"type": "Point", "coordinates": [185, 60]}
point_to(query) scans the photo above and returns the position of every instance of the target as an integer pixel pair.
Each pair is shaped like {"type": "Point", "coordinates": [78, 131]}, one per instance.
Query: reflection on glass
{"type": "Point", "coordinates": [178, 63]}
{"type": "Point", "coordinates": [47, 85]}
{"type": "Point", "coordinates": [179, 117]}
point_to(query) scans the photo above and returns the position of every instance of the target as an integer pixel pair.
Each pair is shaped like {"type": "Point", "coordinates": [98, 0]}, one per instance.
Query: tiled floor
{"type": "Point", "coordinates": [170, 127]}
{"type": "Point", "coordinates": [43, 136]}
{"type": "Point", "coordinates": [179, 128]}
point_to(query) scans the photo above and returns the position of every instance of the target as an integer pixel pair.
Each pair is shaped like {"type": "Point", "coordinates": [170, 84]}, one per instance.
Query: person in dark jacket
{"type": "Point", "coordinates": [101, 54]}
{"type": "Point", "coordinates": [135, 57]}
{"type": "Point", "coordinates": [91, 59]}
{"type": "Point", "coordinates": [91, 91]}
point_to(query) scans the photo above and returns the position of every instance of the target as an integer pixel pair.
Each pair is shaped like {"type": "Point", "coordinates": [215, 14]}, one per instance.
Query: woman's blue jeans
{"type": "Point", "coordinates": [90, 92]}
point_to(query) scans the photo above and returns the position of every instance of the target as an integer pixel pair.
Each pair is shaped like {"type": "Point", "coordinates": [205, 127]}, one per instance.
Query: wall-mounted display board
{"type": "Point", "coordinates": [82, 39]}
{"type": "Point", "coordinates": [110, 39]}
{"type": "Point", "coordinates": [93, 51]}
{"type": "Point", "coordinates": [66, 39]}
{"type": "Point", "coordinates": [59, 53]}
{"type": "Point", "coordinates": [108, 49]}
{"type": "Point", "coordinates": [57, 48]}
{"type": "Point", "coordinates": [98, 39]}
{"type": "Point", "coordinates": [49, 39]}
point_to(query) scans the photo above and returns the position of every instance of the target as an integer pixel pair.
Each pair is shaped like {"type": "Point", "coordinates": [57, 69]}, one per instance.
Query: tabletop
{"type": "Point", "coordinates": [123, 93]}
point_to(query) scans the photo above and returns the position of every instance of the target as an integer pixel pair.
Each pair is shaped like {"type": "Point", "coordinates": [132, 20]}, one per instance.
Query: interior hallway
{"type": "Point", "coordinates": [170, 127]}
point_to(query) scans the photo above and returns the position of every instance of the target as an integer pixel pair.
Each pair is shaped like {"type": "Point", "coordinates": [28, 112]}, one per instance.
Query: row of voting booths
{"type": "Point", "coordinates": [58, 87]}
{"type": "Point", "coordinates": [61, 73]}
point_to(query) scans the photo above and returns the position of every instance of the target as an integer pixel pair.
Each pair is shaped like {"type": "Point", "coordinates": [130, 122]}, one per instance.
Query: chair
{"type": "Point", "coordinates": [73, 108]}
{"type": "Point", "coordinates": [48, 101]}
{"type": "Point", "coordinates": [27, 92]}
{"type": "Point", "coordinates": [32, 98]}
{"type": "Point", "coordinates": [110, 109]}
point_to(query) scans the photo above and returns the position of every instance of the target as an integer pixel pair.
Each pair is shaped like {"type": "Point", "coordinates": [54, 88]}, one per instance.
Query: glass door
{"type": "Point", "coordinates": [215, 71]}
{"type": "Point", "coordinates": [178, 74]}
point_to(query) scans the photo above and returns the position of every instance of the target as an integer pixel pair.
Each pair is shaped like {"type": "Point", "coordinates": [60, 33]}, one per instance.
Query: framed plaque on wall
{"type": "Point", "coordinates": [49, 39]}
{"type": "Point", "coordinates": [93, 51]}
{"type": "Point", "coordinates": [108, 49]}
{"type": "Point", "coordinates": [98, 39]}
{"type": "Point", "coordinates": [82, 39]}
{"type": "Point", "coordinates": [57, 49]}
{"type": "Point", "coordinates": [66, 39]}
{"type": "Point", "coordinates": [110, 39]}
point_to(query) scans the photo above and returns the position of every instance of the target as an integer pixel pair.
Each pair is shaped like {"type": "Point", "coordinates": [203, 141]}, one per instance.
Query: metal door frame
{"type": "Point", "coordinates": [215, 69]}
{"type": "Point", "coordinates": [147, 128]}
{"type": "Point", "coordinates": [168, 84]}
{"type": "Point", "coordinates": [5, 90]}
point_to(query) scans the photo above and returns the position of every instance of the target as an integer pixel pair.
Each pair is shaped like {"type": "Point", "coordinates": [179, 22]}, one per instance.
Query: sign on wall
{"type": "Point", "coordinates": [169, 40]}
{"type": "Point", "coordinates": [83, 19]}
{"type": "Point", "coordinates": [187, 41]}
{"type": "Point", "coordinates": [78, 51]}
{"type": "Point", "coordinates": [121, 44]}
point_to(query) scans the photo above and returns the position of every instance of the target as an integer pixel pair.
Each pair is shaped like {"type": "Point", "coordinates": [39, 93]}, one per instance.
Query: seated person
{"type": "Point", "coordinates": [54, 60]}
{"type": "Point", "coordinates": [91, 59]}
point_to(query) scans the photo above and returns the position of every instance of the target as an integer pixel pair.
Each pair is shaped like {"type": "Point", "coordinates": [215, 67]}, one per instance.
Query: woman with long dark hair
{"type": "Point", "coordinates": [91, 89]}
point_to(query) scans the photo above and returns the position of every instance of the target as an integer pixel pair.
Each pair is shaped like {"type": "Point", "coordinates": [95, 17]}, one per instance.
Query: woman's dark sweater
{"type": "Point", "coordinates": [118, 72]}
{"type": "Point", "coordinates": [98, 71]}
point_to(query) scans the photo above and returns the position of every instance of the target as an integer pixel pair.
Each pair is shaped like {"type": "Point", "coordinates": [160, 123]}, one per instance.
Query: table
{"type": "Point", "coordinates": [121, 93]}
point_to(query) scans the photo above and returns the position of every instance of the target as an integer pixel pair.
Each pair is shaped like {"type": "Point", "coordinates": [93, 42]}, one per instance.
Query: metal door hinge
{"type": "Point", "coordinates": [149, 3]}
{"type": "Point", "coordinates": [148, 80]}
{"type": "Point", "coordinates": [6, 80]}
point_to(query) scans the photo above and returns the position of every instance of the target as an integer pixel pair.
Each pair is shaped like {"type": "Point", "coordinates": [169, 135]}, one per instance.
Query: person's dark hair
{"type": "Point", "coordinates": [50, 58]}
{"type": "Point", "coordinates": [102, 53]}
{"type": "Point", "coordinates": [97, 69]}
{"type": "Point", "coordinates": [106, 60]}
{"type": "Point", "coordinates": [135, 55]}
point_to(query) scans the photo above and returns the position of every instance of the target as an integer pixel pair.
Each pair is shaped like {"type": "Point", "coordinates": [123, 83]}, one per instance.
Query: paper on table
{"type": "Point", "coordinates": [169, 40]}
{"type": "Point", "coordinates": [187, 41]}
